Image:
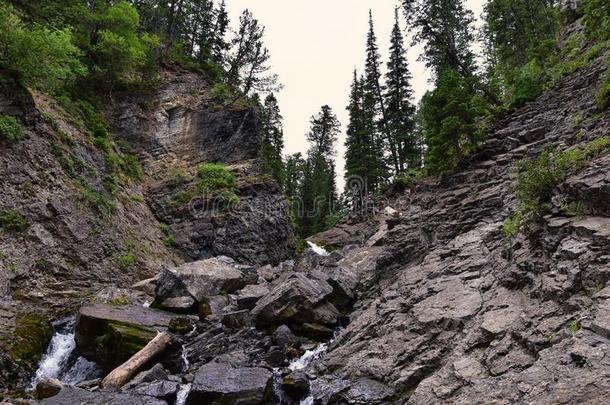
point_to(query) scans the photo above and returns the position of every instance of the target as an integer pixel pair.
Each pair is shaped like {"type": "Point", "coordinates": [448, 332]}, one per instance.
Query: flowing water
{"type": "Point", "coordinates": [60, 360]}
{"type": "Point", "coordinates": [183, 394]}
{"type": "Point", "coordinates": [318, 249]}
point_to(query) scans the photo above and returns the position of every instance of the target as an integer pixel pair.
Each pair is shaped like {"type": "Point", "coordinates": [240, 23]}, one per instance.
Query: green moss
{"type": "Point", "coordinates": [13, 221]}
{"type": "Point", "coordinates": [228, 199]}
{"type": "Point", "coordinates": [180, 326]}
{"type": "Point", "coordinates": [11, 129]}
{"type": "Point", "coordinates": [32, 334]}
{"type": "Point", "coordinates": [121, 340]}
{"type": "Point", "coordinates": [130, 165]}
{"type": "Point", "coordinates": [119, 301]}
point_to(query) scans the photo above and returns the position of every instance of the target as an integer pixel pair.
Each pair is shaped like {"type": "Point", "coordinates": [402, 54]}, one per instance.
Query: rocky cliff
{"type": "Point", "coordinates": [78, 214]}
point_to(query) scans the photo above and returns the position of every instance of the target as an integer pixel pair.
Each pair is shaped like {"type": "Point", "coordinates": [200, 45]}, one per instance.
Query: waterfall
{"type": "Point", "coordinates": [183, 394]}
{"type": "Point", "coordinates": [318, 249]}
{"type": "Point", "coordinates": [309, 356]}
{"type": "Point", "coordinates": [185, 360]}
{"type": "Point", "coordinates": [56, 357]}
{"type": "Point", "coordinates": [60, 360]}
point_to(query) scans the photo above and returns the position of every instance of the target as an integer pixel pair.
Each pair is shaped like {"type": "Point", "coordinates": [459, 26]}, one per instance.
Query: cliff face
{"type": "Point", "coordinates": [78, 235]}
{"type": "Point", "coordinates": [182, 129]}
{"type": "Point", "coordinates": [450, 312]}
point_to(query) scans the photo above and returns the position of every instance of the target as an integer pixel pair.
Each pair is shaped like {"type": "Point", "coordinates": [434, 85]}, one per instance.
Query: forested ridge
{"type": "Point", "coordinates": [87, 52]}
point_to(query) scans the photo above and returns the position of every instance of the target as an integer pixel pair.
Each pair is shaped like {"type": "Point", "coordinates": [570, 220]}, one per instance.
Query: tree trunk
{"type": "Point", "coordinates": [126, 371]}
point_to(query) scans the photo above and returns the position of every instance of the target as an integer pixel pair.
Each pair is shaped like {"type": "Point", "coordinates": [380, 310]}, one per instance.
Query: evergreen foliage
{"type": "Point", "coordinates": [273, 137]}
{"type": "Point", "coordinates": [11, 129]}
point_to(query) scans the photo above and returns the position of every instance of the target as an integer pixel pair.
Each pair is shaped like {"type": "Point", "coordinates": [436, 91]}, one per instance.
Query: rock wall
{"type": "Point", "coordinates": [449, 312]}
{"type": "Point", "coordinates": [183, 128]}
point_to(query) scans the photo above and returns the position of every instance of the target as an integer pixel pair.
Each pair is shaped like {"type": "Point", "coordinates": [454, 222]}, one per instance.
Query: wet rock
{"type": "Point", "coordinates": [48, 388]}
{"type": "Point", "coordinates": [314, 331]}
{"type": "Point", "coordinates": [217, 383]}
{"type": "Point", "coordinates": [296, 384]}
{"type": "Point", "coordinates": [70, 395]}
{"type": "Point", "coordinates": [110, 335]}
{"type": "Point", "coordinates": [293, 299]}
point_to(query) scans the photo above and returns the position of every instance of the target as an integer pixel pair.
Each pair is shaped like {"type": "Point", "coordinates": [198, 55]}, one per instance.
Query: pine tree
{"type": "Point", "coordinates": [220, 46]}
{"type": "Point", "coordinates": [273, 137]}
{"type": "Point", "coordinates": [400, 110]}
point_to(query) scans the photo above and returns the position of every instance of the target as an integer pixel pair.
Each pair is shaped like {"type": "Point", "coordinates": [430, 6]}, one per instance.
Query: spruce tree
{"type": "Point", "coordinates": [318, 193]}
{"type": "Point", "coordinates": [273, 137]}
{"type": "Point", "coordinates": [373, 111]}
{"type": "Point", "coordinates": [400, 110]}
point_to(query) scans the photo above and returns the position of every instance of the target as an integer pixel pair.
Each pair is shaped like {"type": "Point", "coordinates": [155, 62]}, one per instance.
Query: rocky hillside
{"type": "Point", "coordinates": [449, 311]}
{"type": "Point", "coordinates": [84, 207]}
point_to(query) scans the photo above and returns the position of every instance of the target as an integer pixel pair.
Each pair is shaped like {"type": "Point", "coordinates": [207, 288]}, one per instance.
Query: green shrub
{"type": "Point", "coordinates": [597, 19]}
{"type": "Point", "coordinates": [221, 92]}
{"type": "Point", "coordinates": [512, 226]}
{"type": "Point", "coordinates": [596, 147]}
{"type": "Point", "coordinates": [127, 260]}
{"type": "Point", "coordinates": [96, 199]}
{"type": "Point", "coordinates": [11, 129]}
{"type": "Point", "coordinates": [215, 177]}
{"type": "Point", "coordinates": [603, 94]}
{"type": "Point", "coordinates": [13, 221]}
{"type": "Point", "coordinates": [131, 166]}
{"type": "Point", "coordinates": [170, 241]}
{"type": "Point", "coordinates": [228, 199]}
{"type": "Point", "coordinates": [409, 178]}
{"type": "Point", "coordinates": [529, 84]}
{"type": "Point", "coordinates": [39, 56]}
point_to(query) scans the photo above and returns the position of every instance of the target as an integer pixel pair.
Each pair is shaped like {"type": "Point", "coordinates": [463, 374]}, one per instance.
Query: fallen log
{"type": "Point", "coordinates": [126, 371]}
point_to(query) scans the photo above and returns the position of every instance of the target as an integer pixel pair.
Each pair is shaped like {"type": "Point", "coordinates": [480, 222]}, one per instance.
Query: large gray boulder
{"type": "Point", "coordinates": [216, 383]}
{"type": "Point", "coordinates": [298, 298]}
{"type": "Point", "coordinates": [196, 283]}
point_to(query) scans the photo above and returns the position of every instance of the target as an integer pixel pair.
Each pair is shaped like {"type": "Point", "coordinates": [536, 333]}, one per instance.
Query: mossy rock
{"type": "Point", "coordinates": [110, 335]}
{"type": "Point", "coordinates": [32, 335]}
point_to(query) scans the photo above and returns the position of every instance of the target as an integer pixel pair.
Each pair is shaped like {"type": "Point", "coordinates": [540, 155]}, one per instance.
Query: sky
{"type": "Point", "coordinates": [315, 45]}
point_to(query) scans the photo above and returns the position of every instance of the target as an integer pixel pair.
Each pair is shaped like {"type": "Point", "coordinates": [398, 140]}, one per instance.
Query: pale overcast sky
{"type": "Point", "coordinates": [315, 46]}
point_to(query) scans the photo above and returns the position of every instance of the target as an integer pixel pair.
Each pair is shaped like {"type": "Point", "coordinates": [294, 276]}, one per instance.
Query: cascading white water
{"type": "Point", "coordinates": [55, 358]}
{"type": "Point", "coordinates": [318, 249]}
{"type": "Point", "coordinates": [183, 394]}
{"type": "Point", "coordinates": [309, 356]}
{"type": "Point", "coordinates": [185, 360]}
{"type": "Point", "coordinates": [59, 360]}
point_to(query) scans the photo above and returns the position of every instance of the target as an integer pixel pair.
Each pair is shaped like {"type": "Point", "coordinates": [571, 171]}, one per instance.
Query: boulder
{"type": "Point", "coordinates": [110, 335]}
{"type": "Point", "coordinates": [165, 390]}
{"type": "Point", "coordinates": [216, 383]}
{"type": "Point", "coordinates": [203, 279]}
{"type": "Point", "coordinates": [284, 337]}
{"type": "Point", "coordinates": [71, 395]}
{"type": "Point", "coordinates": [48, 388]}
{"type": "Point", "coordinates": [237, 319]}
{"type": "Point", "coordinates": [344, 282]}
{"type": "Point", "coordinates": [156, 373]}
{"type": "Point", "coordinates": [147, 286]}
{"type": "Point", "coordinates": [250, 294]}
{"type": "Point", "coordinates": [293, 299]}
